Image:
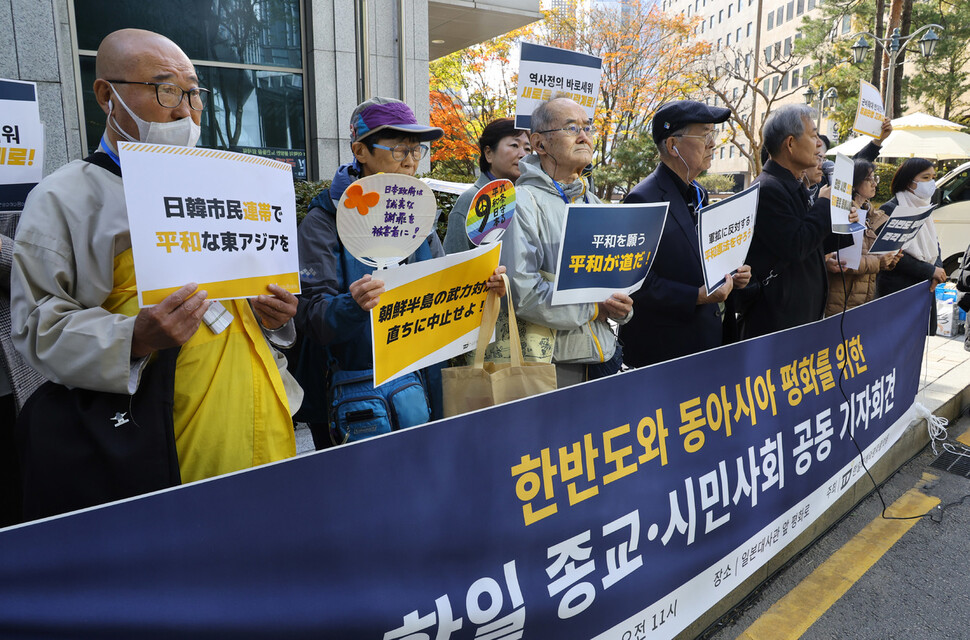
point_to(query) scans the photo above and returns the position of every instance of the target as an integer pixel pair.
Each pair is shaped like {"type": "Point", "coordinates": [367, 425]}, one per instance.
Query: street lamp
{"type": "Point", "coordinates": [823, 98]}
{"type": "Point", "coordinates": [893, 45]}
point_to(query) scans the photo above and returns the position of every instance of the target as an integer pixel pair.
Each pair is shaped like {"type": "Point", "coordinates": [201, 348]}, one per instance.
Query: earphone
{"type": "Point", "coordinates": [678, 151]}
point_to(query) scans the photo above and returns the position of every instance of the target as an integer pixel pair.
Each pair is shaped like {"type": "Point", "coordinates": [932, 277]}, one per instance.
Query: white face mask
{"type": "Point", "coordinates": [181, 133]}
{"type": "Point", "coordinates": [925, 190]}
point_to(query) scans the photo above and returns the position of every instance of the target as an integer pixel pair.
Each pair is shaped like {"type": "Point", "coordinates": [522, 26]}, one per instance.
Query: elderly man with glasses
{"type": "Point", "coordinates": [223, 404]}
{"type": "Point", "coordinates": [585, 346]}
{"type": "Point", "coordinates": [674, 314]}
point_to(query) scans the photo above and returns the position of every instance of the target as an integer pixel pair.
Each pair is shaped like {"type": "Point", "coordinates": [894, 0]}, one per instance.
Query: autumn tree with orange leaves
{"type": "Point", "coordinates": [469, 89]}
{"type": "Point", "coordinates": [646, 62]}
{"type": "Point", "coordinates": [646, 58]}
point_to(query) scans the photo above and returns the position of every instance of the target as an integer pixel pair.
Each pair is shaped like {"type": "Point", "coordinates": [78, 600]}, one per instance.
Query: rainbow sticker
{"type": "Point", "coordinates": [491, 212]}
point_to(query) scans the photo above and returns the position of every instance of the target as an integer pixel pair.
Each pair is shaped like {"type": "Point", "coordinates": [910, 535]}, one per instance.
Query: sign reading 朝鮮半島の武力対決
{"type": "Point", "coordinates": [430, 311]}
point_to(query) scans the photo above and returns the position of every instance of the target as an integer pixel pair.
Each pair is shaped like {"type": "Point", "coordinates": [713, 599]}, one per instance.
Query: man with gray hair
{"type": "Point", "coordinates": [562, 138]}
{"type": "Point", "coordinates": [787, 256]}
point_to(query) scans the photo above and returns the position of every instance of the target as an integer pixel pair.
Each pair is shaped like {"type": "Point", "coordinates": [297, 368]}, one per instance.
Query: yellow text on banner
{"type": "Point", "coordinates": [430, 311]}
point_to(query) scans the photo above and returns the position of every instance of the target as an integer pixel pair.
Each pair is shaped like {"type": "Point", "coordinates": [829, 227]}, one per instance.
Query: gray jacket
{"type": "Point", "coordinates": [530, 248]}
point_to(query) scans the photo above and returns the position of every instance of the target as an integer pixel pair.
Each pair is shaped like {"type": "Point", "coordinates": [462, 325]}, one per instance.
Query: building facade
{"type": "Point", "coordinates": [284, 74]}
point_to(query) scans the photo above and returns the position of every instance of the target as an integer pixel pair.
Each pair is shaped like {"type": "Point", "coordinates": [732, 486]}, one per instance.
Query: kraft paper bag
{"type": "Point", "coordinates": [486, 384]}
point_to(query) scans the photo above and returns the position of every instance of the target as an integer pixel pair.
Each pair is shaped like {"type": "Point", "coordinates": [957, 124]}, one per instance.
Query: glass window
{"type": "Point", "coordinates": [730, 9]}
{"type": "Point", "coordinates": [787, 47]}
{"type": "Point", "coordinates": [811, 4]}
{"type": "Point", "coordinates": [794, 78]}
{"type": "Point", "coordinates": [779, 16]}
{"type": "Point", "coordinates": [771, 20]}
{"type": "Point", "coordinates": [790, 13]}
{"type": "Point", "coordinates": [720, 16]}
{"type": "Point", "coordinates": [846, 24]}
{"type": "Point", "coordinates": [784, 81]}
{"type": "Point", "coordinates": [801, 7]}
{"type": "Point", "coordinates": [258, 32]}
{"type": "Point", "coordinates": [255, 109]}
{"type": "Point", "coordinates": [748, 32]}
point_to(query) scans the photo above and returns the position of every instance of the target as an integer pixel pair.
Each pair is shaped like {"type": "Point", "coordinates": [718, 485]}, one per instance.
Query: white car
{"type": "Point", "coordinates": [952, 217]}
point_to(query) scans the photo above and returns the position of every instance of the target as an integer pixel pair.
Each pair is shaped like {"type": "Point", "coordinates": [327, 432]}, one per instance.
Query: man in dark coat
{"type": "Point", "coordinates": [673, 315]}
{"type": "Point", "coordinates": [787, 255]}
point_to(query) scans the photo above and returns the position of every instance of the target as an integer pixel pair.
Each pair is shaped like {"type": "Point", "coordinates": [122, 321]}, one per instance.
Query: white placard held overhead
{"type": "Point", "coordinates": [224, 220]}
{"type": "Point", "coordinates": [842, 196]}
{"type": "Point", "coordinates": [724, 231]}
{"type": "Point", "coordinates": [546, 72]}
{"type": "Point", "coordinates": [871, 111]}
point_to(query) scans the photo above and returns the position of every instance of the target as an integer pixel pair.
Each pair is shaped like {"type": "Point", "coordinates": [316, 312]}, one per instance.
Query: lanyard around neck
{"type": "Point", "coordinates": [104, 146]}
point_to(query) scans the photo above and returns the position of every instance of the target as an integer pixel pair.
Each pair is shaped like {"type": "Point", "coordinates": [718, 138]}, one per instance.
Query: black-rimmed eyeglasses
{"type": "Point", "coordinates": [170, 95]}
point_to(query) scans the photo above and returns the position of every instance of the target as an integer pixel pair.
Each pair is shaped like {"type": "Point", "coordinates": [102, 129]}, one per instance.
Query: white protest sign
{"type": "Point", "coordinates": [547, 72]}
{"type": "Point", "coordinates": [384, 218]}
{"type": "Point", "coordinates": [871, 112]}
{"type": "Point", "coordinates": [21, 143]}
{"type": "Point", "coordinates": [224, 220]}
{"type": "Point", "coordinates": [852, 255]}
{"type": "Point", "coordinates": [724, 232]}
{"type": "Point", "coordinates": [842, 196]}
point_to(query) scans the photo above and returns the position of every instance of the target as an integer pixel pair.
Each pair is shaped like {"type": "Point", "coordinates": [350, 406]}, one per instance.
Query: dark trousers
{"type": "Point", "coordinates": [11, 494]}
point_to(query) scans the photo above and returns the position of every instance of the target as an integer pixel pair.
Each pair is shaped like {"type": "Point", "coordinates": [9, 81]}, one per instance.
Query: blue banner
{"type": "Point", "coordinates": [606, 248]}
{"type": "Point", "coordinates": [621, 508]}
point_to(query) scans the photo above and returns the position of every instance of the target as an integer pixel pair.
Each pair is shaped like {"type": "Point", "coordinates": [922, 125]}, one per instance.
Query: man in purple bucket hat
{"type": "Point", "coordinates": [333, 316]}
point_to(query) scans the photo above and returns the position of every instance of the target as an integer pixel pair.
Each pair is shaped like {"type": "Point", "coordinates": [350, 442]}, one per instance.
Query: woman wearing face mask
{"type": "Point", "coordinates": [914, 185]}
{"type": "Point", "coordinates": [501, 147]}
{"type": "Point", "coordinates": [852, 287]}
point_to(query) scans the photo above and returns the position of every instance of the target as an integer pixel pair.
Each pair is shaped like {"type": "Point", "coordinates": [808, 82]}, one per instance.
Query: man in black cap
{"type": "Point", "coordinates": [673, 315]}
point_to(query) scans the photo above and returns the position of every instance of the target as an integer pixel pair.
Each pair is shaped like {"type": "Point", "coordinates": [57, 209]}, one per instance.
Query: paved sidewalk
{"type": "Point", "coordinates": [945, 376]}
